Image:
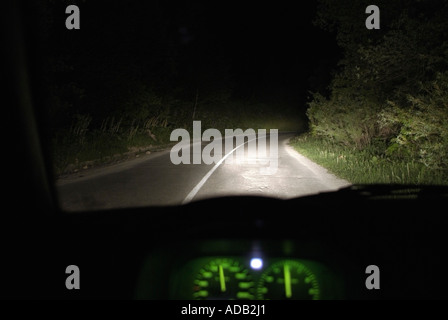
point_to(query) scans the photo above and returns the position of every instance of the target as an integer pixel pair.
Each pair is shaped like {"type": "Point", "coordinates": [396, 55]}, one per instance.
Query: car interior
{"type": "Point", "coordinates": [317, 247]}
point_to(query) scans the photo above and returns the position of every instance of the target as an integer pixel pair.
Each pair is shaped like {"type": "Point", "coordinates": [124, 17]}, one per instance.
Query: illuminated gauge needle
{"type": "Point", "coordinates": [222, 281]}
{"type": "Point", "coordinates": [288, 291]}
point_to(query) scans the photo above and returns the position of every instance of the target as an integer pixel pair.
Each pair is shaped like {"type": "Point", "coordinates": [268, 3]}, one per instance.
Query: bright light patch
{"type": "Point", "coordinates": [256, 263]}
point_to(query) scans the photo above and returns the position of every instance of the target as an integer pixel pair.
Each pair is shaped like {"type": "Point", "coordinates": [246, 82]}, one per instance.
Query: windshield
{"type": "Point", "coordinates": [157, 104]}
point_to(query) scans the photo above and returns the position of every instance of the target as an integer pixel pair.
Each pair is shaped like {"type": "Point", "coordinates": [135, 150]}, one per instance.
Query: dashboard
{"type": "Point", "coordinates": [241, 248]}
{"type": "Point", "coordinates": [248, 248]}
{"type": "Point", "coordinates": [241, 270]}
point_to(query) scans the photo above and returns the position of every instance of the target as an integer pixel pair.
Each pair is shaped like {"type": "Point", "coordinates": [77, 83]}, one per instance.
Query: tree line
{"type": "Point", "coordinates": [389, 92]}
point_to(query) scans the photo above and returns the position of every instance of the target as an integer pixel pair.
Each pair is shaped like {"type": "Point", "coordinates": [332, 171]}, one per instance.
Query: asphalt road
{"type": "Point", "coordinates": [153, 180]}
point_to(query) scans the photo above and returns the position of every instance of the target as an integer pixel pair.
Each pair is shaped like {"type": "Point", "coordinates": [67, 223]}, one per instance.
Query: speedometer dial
{"type": "Point", "coordinates": [288, 279]}
{"type": "Point", "coordinates": [223, 278]}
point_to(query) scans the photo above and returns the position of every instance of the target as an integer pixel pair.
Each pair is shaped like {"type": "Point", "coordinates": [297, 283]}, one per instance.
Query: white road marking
{"type": "Point", "coordinates": [196, 189]}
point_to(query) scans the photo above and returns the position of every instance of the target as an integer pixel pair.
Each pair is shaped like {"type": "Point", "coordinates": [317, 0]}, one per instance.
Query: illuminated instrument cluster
{"type": "Point", "coordinates": [236, 278]}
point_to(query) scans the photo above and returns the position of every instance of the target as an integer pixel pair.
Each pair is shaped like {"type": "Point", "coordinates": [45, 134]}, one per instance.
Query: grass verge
{"type": "Point", "coordinates": [368, 166]}
{"type": "Point", "coordinates": [99, 149]}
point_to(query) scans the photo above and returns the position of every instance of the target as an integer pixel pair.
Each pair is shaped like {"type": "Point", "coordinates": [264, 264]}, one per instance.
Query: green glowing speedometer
{"type": "Point", "coordinates": [288, 279]}
{"type": "Point", "coordinates": [223, 278]}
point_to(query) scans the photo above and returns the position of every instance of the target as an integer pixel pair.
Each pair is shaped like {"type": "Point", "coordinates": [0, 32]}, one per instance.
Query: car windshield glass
{"type": "Point", "coordinates": [151, 103]}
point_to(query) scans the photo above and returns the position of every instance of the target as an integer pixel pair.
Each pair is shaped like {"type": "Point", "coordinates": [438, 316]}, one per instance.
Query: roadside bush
{"type": "Point", "coordinates": [345, 119]}
{"type": "Point", "coordinates": [421, 128]}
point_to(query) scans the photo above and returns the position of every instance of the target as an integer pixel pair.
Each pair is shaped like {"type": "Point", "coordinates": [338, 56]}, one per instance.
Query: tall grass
{"type": "Point", "coordinates": [82, 146]}
{"type": "Point", "coordinates": [366, 166]}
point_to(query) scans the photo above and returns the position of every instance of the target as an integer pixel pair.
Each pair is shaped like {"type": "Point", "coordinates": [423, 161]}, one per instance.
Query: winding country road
{"type": "Point", "coordinates": [153, 180]}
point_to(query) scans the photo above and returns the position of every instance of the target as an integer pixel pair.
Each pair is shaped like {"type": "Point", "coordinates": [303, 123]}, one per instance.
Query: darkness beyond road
{"type": "Point", "coordinates": [153, 180]}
